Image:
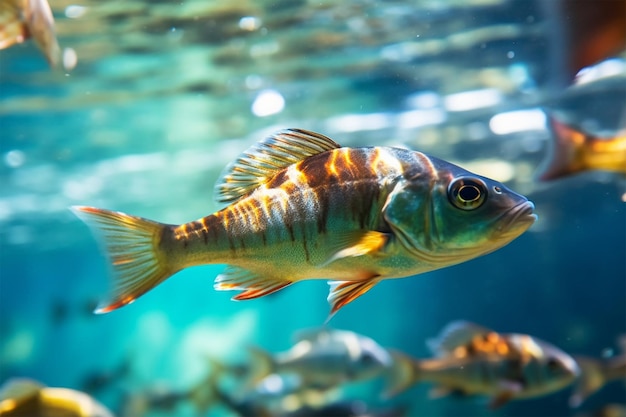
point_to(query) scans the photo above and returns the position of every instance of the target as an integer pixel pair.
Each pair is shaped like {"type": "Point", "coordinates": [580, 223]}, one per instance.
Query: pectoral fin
{"type": "Point", "coordinates": [358, 243]}
{"type": "Point", "coordinates": [509, 390]}
{"type": "Point", "coordinates": [344, 292]}
{"type": "Point", "coordinates": [252, 285]}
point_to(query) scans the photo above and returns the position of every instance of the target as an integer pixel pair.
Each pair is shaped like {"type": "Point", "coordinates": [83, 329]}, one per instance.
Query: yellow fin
{"type": "Point", "coordinates": [251, 284]}
{"type": "Point", "coordinates": [266, 158]}
{"type": "Point", "coordinates": [131, 244]}
{"type": "Point", "coordinates": [358, 243]}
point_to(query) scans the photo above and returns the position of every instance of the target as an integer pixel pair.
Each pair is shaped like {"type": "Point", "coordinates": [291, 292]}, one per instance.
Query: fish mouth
{"type": "Point", "coordinates": [517, 220]}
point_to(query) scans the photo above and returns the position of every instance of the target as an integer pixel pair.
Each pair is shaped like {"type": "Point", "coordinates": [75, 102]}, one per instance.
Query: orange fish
{"type": "Point", "coordinates": [23, 19]}
{"type": "Point", "coordinates": [303, 207]}
{"type": "Point", "coordinates": [474, 360]}
{"type": "Point", "coordinates": [573, 151]}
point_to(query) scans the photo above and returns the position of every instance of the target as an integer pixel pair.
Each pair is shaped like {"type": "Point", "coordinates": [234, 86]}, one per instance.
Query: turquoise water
{"type": "Point", "coordinates": [164, 95]}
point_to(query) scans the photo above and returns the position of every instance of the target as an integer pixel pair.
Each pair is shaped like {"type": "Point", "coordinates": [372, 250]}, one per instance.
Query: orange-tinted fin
{"type": "Point", "coordinates": [358, 243]}
{"type": "Point", "coordinates": [402, 375]}
{"type": "Point", "coordinates": [12, 29]}
{"type": "Point", "coordinates": [565, 153]}
{"type": "Point", "coordinates": [344, 292]}
{"type": "Point", "coordinates": [455, 334]}
{"type": "Point", "coordinates": [251, 284]}
{"type": "Point", "coordinates": [20, 20]}
{"type": "Point", "coordinates": [131, 244]}
{"type": "Point", "coordinates": [263, 160]}
{"type": "Point", "coordinates": [501, 399]}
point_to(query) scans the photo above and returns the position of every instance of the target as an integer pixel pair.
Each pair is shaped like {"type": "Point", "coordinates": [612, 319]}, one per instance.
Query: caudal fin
{"type": "Point", "coordinates": [565, 153]}
{"type": "Point", "coordinates": [402, 374]}
{"type": "Point", "coordinates": [132, 247]}
{"type": "Point", "coordinates": [591, 379]}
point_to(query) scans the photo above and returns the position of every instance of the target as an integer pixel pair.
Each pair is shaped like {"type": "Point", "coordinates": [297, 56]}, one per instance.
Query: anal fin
{"type": "Point", "coordinates": [251, 284]}
{"type": "Point", "coordinates": [344, 292]}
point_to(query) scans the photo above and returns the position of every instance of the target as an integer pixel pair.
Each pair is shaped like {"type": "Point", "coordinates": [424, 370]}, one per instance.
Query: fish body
{"type": "Point", "coordinates": [477, 361]}
{"type": "Point", "coordinates": [23, 19]}
{"type": "Point", "coordinates": [302, 207]}
{"type": "Point", "coordinates": [323, 359]}
{"type": "Point", "coordinates": [574, 151]}
{"type": "Point", "coordinates": [24, 397]}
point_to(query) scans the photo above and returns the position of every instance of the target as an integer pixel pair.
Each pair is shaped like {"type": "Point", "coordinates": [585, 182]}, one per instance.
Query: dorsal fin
{"type": "Point", "coordinates": [455, 334]}
{"type": "Point", "coordinates": [264, 159]}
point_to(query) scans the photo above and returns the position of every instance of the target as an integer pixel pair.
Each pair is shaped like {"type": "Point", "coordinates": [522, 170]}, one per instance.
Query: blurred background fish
{"type": "Point", "coordinates": [471, 359]}
{"type": "Point", "coordinates": [324, 358]}
{"type": "Point", "coordinates": [24, 19]}
{"type": "Point", "coordinates": [24, 397]}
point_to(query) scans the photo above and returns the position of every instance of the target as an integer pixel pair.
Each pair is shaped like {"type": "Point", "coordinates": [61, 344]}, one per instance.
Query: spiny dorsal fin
{"type": "Point", "coordinates": [263, 160]}
{"type": "Point", "coordinates": [455, 334]}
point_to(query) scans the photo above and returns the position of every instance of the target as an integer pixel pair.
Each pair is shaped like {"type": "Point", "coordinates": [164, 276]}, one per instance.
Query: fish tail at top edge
{"type": "Point", "coordinates": [132, 247]}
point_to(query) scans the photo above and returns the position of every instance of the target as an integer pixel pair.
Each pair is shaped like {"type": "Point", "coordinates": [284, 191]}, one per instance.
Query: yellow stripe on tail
{"type": "Point", "coordinates": [132, 247]}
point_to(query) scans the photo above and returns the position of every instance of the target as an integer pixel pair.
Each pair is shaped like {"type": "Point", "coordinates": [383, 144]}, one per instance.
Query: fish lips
{"type": "Point", "coordinates": [516, 221]}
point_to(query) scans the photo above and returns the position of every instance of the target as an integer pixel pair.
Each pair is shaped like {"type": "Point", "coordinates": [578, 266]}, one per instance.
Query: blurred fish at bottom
{"type": "Point", "coordinates": [597, 372]}
{"type": "Point", "coordinates": [27, 398]}
{"type": "Point", "coordinates": [23, 19]}
{"type": "Point", "coordinates": [473, 360]}
{"type": "Point", "coordinates": [575, 151]}
{"type": "Point", "coordinates": [608, 410]}
{"type": "Point", "coordinates": [324, 358]}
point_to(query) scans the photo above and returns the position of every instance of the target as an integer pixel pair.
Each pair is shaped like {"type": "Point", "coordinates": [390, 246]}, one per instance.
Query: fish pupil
{"type": "Point", "coordinates": [469, 193]}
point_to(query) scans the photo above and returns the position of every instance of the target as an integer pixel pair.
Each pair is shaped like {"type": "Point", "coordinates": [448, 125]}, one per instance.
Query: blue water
{"type": "Point", "coordinates": [152, 113]}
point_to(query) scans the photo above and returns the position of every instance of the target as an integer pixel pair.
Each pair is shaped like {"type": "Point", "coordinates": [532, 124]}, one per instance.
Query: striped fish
{"type": "Point", "coordinates": [472, 359]}
{"type": "Point", "coordinates": [302, 207]}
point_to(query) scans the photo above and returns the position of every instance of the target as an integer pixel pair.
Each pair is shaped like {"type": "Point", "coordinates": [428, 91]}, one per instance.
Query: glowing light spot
{"type": "Point", "coordinates": [498, 170]}
{"type": "Point", "coordinates": [70, 59]}
{"type": "Point", "coordinates": [74, 11]}
{"type": "Point", "coordinates": [470, 100]}
{"type": "Point", "coordinates": [249, 23]}
{"type": "Point", "coordinates": [510, 54]}
{"type": "Point", "coordinates": [608, 68]}
{"type": "Point", "coordinates": [360, 122]}
{"type": "Point", "coordinates": [15, 158]}
{"type": "Point", "coordinates": [420, 118]}
{"type": "Point", "coordinates": [268, 102]}
{"type": "Point", "coordinates": [518, 121]}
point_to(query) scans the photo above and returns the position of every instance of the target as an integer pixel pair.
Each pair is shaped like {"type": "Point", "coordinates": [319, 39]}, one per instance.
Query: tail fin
{"type": "Point", "coordinates": [566, 151]}
{"type": "Point", "coordinates": [132, 246]}
{"type": "Point", "coordinates": [592, 378]}
{"type": "Point", "coordinates": [262, 365]}
{"type": "Point", "coordinates": [402, 374]}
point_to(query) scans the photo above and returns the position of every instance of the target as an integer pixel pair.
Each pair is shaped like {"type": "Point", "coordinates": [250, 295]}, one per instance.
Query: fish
{"type": "Point", "coordinates": [596, 373]}
{"type": "Point", "coordinates": [322, 359]}
{"type": "Point", "coordinates": [24, 19]}
{"type": "Point", "coordinates": [303, 207]}
{"type": "Point", "coordinates": [573, 151]}
{"type": "Point", "coordinates": [25, 397]}
{"type": "Point", "coordinates": [474, 360]}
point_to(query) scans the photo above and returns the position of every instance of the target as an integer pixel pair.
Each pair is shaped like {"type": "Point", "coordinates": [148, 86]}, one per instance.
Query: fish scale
{"type": "Point", "coordinates": [302, 207]}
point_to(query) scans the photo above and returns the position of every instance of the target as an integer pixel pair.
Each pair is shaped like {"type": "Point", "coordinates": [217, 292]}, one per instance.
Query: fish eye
{"type": "Point", "coordinates": [553, 364]}
{"type": "Point", "coordinates": [467, 193]}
